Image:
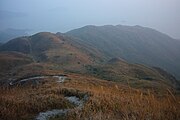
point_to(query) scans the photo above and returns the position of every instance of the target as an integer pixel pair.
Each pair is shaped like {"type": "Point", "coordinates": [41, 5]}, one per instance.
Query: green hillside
{"type": "Point", "coordinates": [135, 44]}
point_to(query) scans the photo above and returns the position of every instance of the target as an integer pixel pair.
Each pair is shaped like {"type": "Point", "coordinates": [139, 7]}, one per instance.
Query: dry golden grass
{"type": "Point", "coordinates": [112, 101]}
{"type": "Point", "coordinates": [26, 102]}
{"type": "Point", "coordinates": [107, 101]}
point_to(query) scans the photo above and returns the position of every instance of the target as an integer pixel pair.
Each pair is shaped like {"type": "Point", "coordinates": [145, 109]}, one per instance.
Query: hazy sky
{"type": "Point", "coordinates": [64, 15]}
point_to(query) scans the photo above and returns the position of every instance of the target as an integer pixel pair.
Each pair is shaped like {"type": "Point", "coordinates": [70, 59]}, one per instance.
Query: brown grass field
{"type": "Point", "coordinates": [107, 101]}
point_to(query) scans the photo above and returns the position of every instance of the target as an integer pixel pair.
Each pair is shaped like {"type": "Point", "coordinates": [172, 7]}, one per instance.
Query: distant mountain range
{"type": "Point", "coordinates": [135, 44]}
{"type": "Point", "coordinates": [8, 34]}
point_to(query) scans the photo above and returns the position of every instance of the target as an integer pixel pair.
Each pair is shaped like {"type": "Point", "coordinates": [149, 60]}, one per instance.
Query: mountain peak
{"type": "Point", "coordinates": [46, 37]}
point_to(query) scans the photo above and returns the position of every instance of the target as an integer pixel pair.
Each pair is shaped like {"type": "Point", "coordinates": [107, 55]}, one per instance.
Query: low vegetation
{"type": "Point", "coordinates": [107, 101]}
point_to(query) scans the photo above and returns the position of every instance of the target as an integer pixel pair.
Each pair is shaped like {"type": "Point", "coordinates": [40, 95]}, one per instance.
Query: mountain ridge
{"type": "Point", "coordinates": [135, 44]}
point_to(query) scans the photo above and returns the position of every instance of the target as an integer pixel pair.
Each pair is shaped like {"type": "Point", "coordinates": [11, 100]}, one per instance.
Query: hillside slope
{"type": "Point", "coordinates": [135, 44]}
{"type": "Point", "coordinates": [135, 75]}
{"type": "Point", "coordinates": [10, 61]}
{"type": "Point", "coordinates": [52, 48]}
{"type": "Point", "coordinates": [49, 51]}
